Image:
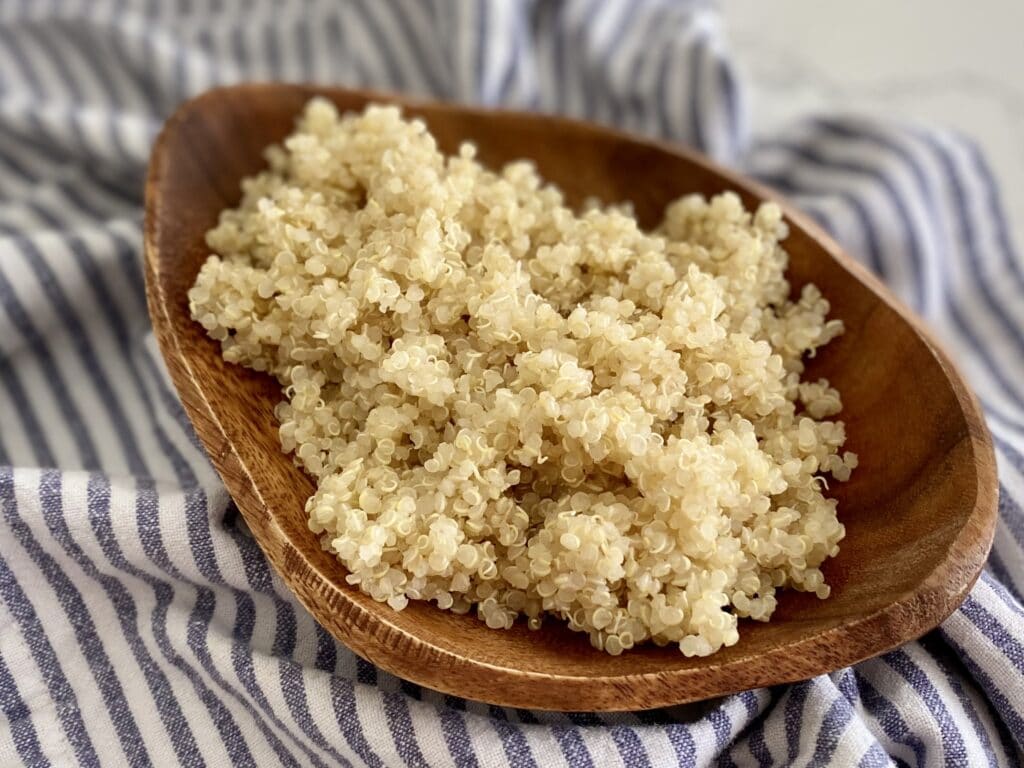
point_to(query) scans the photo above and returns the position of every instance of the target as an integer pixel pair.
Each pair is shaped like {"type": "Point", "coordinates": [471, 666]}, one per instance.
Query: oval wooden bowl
{"type": "Point", "coordinates": [920, 511]}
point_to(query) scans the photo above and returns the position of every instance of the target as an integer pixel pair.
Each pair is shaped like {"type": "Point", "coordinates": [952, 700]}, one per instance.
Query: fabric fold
{"type": "Point", "coordinates": [140, 623]}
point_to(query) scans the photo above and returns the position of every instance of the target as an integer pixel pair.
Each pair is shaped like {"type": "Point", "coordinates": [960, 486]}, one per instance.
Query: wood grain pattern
{"type": "Point", "coordinates": [920, 511]}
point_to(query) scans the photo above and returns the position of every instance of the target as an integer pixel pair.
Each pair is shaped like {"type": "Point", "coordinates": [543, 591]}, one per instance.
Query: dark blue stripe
{"type": "Point", "coordinates": [69, 412]}
{"type": "Point", "coordinates": [628, 744]}
{"type": "Point", "coordinates": [415, 38]}
{"type": "Point", "coordinates": [414, 72]}
{"type": "Point", "coordinates": [678, 735]}
{"type": "Point", "coordinates": [344, 701]}
{"type": "Point", "coordinates": [108, 308]}
{"type": "Point", "coordinates": [997, 212]}
{"type": "Point", "coordinates": [410, 689]}
{"type": "Point", "coordinates": [26, 72]}
{"type": "Point", "coordinates": [272, 49]}
{"type": "Point", "coordinates": [147, 86]}
{"type": "Point", "coordinates": [1004, 706]}
{"type": "Point", "coordinates": [571, 741]}
{"type": "Point", "coordinates": [794, 718]}
{"type": "Point", "coordinates": [968, 230]}
{"type": "Point", "coordinates": [303, 43]}
{"type": "Point", "coordinates": [721, 726]}
{"type": "Point", "coordinates": [89, 640]}
{"type": "Point", "coordinates": [380, 44]}
{"type": "Point", "coordinates": [696, 108]}
{"type": "Point", "coordinates": [669, 62]}
{"type": "Point", "coordinates": [456, 736]}
{"type": "Point", "coordinates": [366, 673]}
{"type": "Point", "coordinates": [814, 158]}
{"type": "Point", "coordinates": [631, 749]}
{"type": "Point", "coordinates": [326, 650]}
{"type": "Point", "coordinates": [62, 695]}
{"type": "Point", "coordinates": [19, 719]}
{"type": "Point", "coordinates": [952, 743]}
{"type": "Point", "coordinates": [754, 730]}
{"type": "Point", "coordinates": [175, 724]}
{"type": "Point", "coordinates": [396, 712]}
{"type": "Point", "coordinates": [953, 182]}
{"type": "Point", "coordinates": [1004, 594]}
{"type": "Point", "coordinates": [956, 185]}
{"type": "Point", "coordinates": [846, 683]}
{"type": "Point", "coordinates": [952, 668]}
{"type": "Point", "coordinates": [891, 721]}
{"type": "Point", "coordinates": [639, 91]}
{"type": "Point", "coordinates": [572, 745]}
{"type": "Point", "coordinates": [238, 50]}
{"type": "Point", "coordinates": [512, 739]}
{"type": "Point", "coordinates": [833, 726]}
{"type": "Point", "coordinates": [995, 631]}
{"type": "Point", "coordinates": [107, 81]}
{"type": "Point", "coordinates": [482, 60]}
{"type": "Point", "coordinates": [875, 757]}
{"type": "Point", "coordinates": [31, 426]}
{"type": "Point", "coordinates": [437, 19]}
{"type": "Point", "coordinates": [40, 36]}
{"type": "Point", "coordinates": [241, 661]}
{"type": "Point", "coordinates": [560, 48]}
{"type": "Point", "coordinates": [292, 684]}
{"type": "Point", "coordinates": [77, 612]}
{"type": "Point", "coordinates": [588, 21]}
{"type": "Point", "coordinates": [730, 93]}
{"type": "Point", "coordinates": [205, 39]}
{"type": "Point", "coordinates": [758, 747]}
{"type": "Point", "coordinates": [146, 516]}
{"type": "Point", "coordinates": [873, 255]}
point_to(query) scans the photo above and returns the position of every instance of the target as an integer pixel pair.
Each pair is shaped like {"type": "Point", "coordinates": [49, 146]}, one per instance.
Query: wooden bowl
{"type": "Point", "coordinates": [919, 513]}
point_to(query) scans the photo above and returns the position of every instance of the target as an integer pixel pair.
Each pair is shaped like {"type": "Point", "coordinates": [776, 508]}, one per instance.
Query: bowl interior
{"type": "Point", "coordinates": [911, 498]}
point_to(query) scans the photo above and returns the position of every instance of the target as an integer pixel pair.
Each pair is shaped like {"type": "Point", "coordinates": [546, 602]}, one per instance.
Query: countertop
{"type": "Point", "coordinates": [940, 62]}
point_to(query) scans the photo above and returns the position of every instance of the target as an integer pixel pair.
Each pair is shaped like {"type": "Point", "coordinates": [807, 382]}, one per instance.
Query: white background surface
{"type": "Point", "coordinates": [954, 63]}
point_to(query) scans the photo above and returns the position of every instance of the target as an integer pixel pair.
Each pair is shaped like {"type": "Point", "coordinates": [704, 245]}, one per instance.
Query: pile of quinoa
{"type": "Point", "coordinates": [514, 408]}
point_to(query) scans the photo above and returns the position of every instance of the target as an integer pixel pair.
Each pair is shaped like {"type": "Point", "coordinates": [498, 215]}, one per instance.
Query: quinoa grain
{"type": "Point", "coordinates": [517, 409]}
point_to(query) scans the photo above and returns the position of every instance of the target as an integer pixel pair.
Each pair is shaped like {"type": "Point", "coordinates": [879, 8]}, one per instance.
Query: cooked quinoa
{"type": "Point", "coordinates": [514, 408]}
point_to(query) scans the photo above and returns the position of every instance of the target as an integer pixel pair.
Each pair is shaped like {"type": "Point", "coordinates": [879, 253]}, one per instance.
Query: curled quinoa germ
{"type": "Point", "coordinates": [514, 408]}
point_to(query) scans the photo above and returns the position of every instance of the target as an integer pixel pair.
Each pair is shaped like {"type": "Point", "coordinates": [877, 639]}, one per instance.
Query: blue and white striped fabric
{"type": "Point", "coordinates": [141, 625]}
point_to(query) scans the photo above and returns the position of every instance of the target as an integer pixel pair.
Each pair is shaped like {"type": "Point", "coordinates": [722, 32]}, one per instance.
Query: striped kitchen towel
{"type": "Point", "coordinates": [141, 625]}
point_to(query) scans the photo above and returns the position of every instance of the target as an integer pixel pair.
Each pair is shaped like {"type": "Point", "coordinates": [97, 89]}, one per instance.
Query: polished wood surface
{"type": "Point", "coordinates": [920, 510]}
